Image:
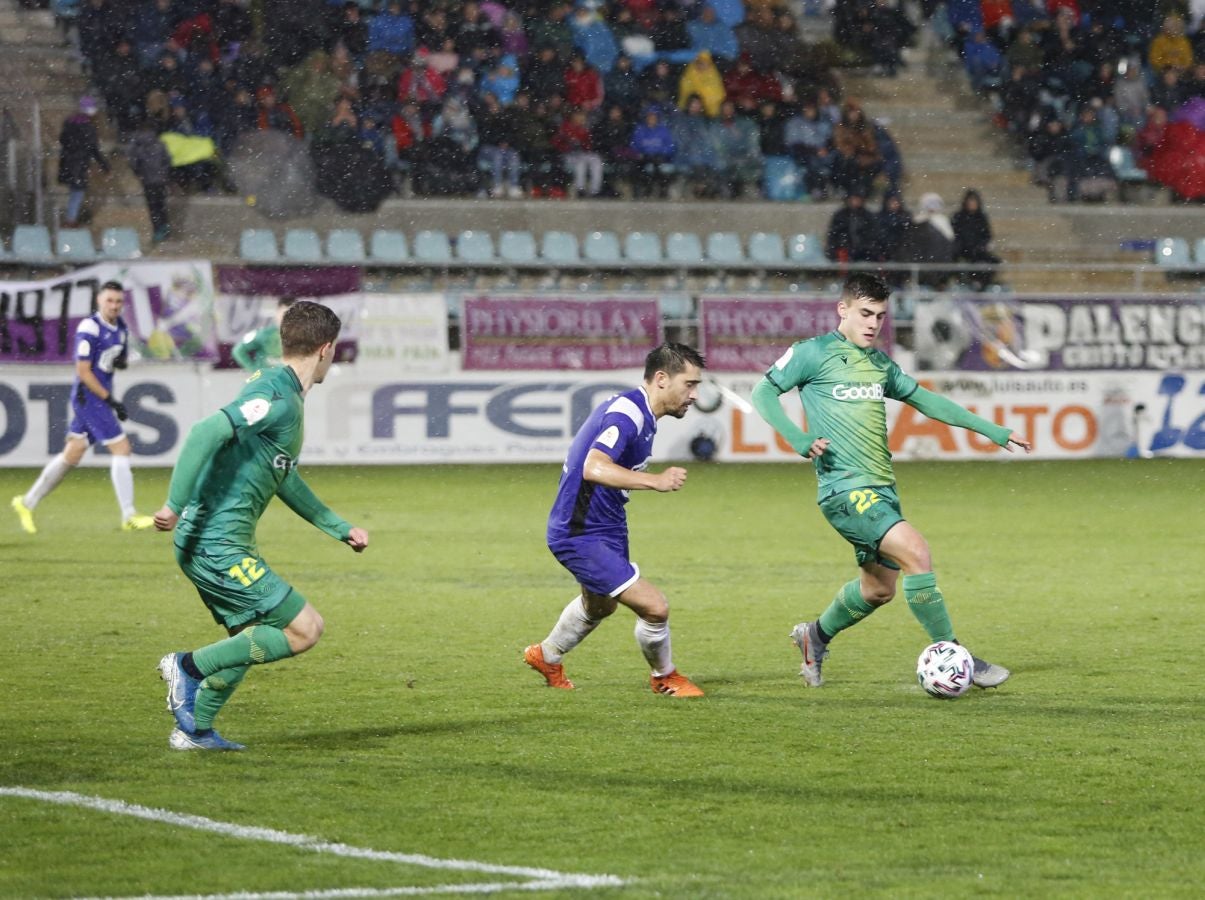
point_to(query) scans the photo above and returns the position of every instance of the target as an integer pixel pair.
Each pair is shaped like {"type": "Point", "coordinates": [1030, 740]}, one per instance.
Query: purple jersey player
{"type": "Point", "coordinates": [588, 527]}
{"type": "Point", "coordinates": [100, 348]}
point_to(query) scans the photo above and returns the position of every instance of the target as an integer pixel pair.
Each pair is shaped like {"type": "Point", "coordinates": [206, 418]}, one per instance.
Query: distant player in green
{"type": "Point", "coordinates": [843, 383]}
{"type": "Point", "coordinates": [231, 465]}
{"type": "Point", "coordinates": [260, 349]}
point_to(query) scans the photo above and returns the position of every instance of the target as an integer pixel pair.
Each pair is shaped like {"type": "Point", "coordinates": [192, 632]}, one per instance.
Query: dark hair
{"type": "Point", "coordinates": [865, 286]}
{"type": "Point", "coordinates": [286, 302]}
{"type": "Point", "coordinates": [306, 326]}
{"type": "Point", "coordinates": [672, 358]}
{"type": "Point", "coordinates": [111, 286]}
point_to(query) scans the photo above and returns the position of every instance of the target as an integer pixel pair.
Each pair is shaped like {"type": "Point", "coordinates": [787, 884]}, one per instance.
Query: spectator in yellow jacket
{"type": "Point", "coordinates": [1170, 49]}
{"type": "Point", "coordinates": [703, 78]}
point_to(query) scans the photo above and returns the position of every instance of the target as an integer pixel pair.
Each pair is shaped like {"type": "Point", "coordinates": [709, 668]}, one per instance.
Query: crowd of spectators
{"type": "Point", "coordinates": [540, 98]}
{"type": "Point", "coordinates": [1071, 79]}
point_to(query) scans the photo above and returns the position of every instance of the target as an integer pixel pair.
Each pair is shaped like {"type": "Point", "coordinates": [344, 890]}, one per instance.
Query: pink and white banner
{"type": "Point", "coordinates": [558, 332]}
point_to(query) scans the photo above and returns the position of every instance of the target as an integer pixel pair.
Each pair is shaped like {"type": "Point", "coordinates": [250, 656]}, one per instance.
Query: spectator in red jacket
{"type": "Point", "coordinates": [583, 84]}
{"type": "Point", "coordinates": [576, 146]}
{"type": "Point", "coordinates": [748, 88]}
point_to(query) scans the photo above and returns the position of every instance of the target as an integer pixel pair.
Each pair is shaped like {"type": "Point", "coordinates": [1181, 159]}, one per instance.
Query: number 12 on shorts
{"type": "Point", "coordinates": [250, 571]}
{"type": "Point", "coordinates": [862, 500]}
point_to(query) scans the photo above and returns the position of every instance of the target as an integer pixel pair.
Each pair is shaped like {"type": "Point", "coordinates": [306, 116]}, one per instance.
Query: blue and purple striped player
{"type": "Point", "coordinates": [101, 342]}
{"type": "Point", "coordinates": [588, 526]}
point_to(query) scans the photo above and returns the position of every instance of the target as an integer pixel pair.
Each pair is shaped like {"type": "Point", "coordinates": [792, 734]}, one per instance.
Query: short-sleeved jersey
{"type": "Point", "coordinates": [99, 343]}
{"type": "Point", "coordinates": [622, 427]}
{"type": "Point", "coordinates": [843, 389]}
{"type": "Point", "coordinates": [240, 480]}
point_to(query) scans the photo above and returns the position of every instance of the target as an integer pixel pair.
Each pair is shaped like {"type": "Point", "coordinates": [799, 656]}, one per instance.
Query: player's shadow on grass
{"type": "Point", "coordinates": [368, 735]}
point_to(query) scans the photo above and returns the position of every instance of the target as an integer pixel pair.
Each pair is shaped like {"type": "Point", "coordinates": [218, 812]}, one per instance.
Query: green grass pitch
{"type": "Point", "coordinates": [414, 728]}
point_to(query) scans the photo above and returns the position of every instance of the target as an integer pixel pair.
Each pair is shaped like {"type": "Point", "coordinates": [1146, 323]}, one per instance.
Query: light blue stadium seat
{"type": "Point", "coordinates": [560, 248]}
{"type": "Point", "coordinates": [1198, 253]}
{"type": "Point", "coordinates": [75, 245]}
{"type": "Point", "coordinates": [602, 247]}
{"type": "Point", "coordinates": [643, 248]}
{"type": "Point", "coordinates": [517, 247]}
{"type": "Point", "coordinates": [345, 245]}
{"type": "Point", "coordinates": [31, 243]}
{"type": "Point", "coordinates": [258, 245]}
{"type": "Point", "coordinates": [806, 250]}
{"type": "Point", "coordinates": [302, 245]}
{"type": "Point", "coordinates": [724, 248]}
{"type": "Point", "coordinates": [781, 179]}
{"type": "Point", "coordinates": [388, 246]}
{"type": "Point", "coordinates": [432, 247]}
{"type": "Point", "coordinates": [120, 243]}
{"type": "Point", "coordinates": [475, 247]}
{"type": "Point", "coordinates": [1172, 252]}
{"type": "Point", "coordinates": [766, 248]}
{"type": "Point", "coordinates": [684, 248]}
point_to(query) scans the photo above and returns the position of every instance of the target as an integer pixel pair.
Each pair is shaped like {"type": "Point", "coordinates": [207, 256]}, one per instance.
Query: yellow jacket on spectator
{"type": "Point", "coordinates": [703, 78]}
{"type": "Point", "coordinates": [1170, 49]}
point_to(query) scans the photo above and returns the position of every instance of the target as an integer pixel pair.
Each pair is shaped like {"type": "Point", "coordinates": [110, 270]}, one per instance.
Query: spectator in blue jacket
{"type": "Point", "coordinates": [392, 31]}
{"type": "Point", "coordinates": [696, 156]}
{"type": "Point", "coordinates": [653, 144]}
{"type": "Point", "coordinates": [503, 80]}
{"type": "Point", "coordinates": [593, 37]}
{"type": "Point", "coordinates": [708, 33]}
{"type": "Point", "coordinates": [983, 61]}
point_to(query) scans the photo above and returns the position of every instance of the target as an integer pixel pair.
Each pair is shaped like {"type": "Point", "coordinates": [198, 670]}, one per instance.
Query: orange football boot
{"type": "Point", "coordinates": [554, 673]}
{"type": "Point", "coordinates": [675, 685]}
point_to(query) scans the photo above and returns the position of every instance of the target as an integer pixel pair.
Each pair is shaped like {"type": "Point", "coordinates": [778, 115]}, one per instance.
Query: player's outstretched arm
{"type": "Point", "coordinates": [765, 401]}
{"type": "Point", "coordinates": [601, 469]}
{"type": "Point", "coordinates": [943, 409]}
{"type": "Point", "coordinates": [204, 440]}
{"type": "Point", "coordinates": [298, 497]}
{"type": "Point", "coordinates": [245, 351]}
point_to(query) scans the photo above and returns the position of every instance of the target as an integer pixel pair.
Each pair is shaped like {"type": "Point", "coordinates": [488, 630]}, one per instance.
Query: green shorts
{"type": "Point", "coordinates": [238, 588]}
{"type": "Point", "coordinates": [863, 516]}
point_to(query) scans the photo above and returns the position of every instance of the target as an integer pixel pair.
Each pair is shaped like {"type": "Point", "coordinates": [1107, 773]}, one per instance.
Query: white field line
{"type": "Point", "coordinates": [539, 879]}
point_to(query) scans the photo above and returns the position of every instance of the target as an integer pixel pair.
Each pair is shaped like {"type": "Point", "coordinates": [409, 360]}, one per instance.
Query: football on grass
{"type": "Point", "coordinates": [945, 669]}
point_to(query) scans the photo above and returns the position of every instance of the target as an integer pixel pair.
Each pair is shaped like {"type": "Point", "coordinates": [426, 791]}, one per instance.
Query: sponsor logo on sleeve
{"type": "Point", "coordinates": [255, 409]}
{"type": "Point", "coordinates": [608, 437]}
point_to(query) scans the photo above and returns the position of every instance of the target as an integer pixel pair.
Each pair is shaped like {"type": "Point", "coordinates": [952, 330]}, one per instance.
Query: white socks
{"type": "Point", "coordinates": [54, 472]}
{"type": "Point", "coordinates": [653, 638]}
{"type": "Point", "coordinates": [570, 630]}
{"type": "Point", "coordinates": [123, 484]}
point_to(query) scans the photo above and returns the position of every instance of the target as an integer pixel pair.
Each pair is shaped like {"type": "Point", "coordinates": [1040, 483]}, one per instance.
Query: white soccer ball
{"type": "Point", "coordinates": [945, 670]}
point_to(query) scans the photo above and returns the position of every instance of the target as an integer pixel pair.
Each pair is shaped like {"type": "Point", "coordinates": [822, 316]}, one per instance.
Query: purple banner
{"type": "Point", "coordinates": [746, 334]}
{"type": "Point", "coordinates": [559, 332]}
{"type": "Point", "coordinates": [1060, 333]}
{"type": "Point", "coordinates": [293, 281]}
{"type": "Point", "coordinates": [168, 310]}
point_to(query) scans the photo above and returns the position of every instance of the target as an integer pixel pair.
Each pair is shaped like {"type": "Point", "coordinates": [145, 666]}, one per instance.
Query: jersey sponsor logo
{"type": "Point", "coordinates": [608, 437]}
{"type": "Point", "coordinates": [254, 409]}
{"type": "Point", "coordinates": [281, 461]}
{"type": "Point", "coordinates": [108, 357]}
{"type": "Point", "coordinates": [858, 392]}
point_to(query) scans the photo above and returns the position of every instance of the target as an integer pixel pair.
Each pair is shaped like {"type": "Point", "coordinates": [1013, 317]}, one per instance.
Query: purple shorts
{"type": "Point", "coordinates": [95, 420]}
{"type": "Point", "coordinates": [600, 564]}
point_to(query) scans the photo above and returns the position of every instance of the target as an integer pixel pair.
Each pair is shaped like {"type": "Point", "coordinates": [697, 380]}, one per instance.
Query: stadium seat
{"type": "Point", "coordinates": [781, 179]}
{"type": "Point", "coordinates": [1198, 253]}
{"type": "Point", "coordinates": [31, 243]}
{"type": "Point", "coordinates": [345, 245]}
{"type": "Point", "coordinates": [388, 246]}
{"type": "Point", "coordinates": [517, 247]}
{"type": "Point", "coordinates": [724, 248]}
{"type": "Point", "coordinates": [475, 248]}
{"type": "Point", "coordinates": [432, 247]}
{"type": "Point", "coordinates": [1172, 252]}
{"type": "Point", "coordinates": [806, 250]}
{"type": "Point", "coordinates": [643, 248]}
{"type": "Point", "coordinates": [560, 248]}
{"type": "Point", "coordinates": [684, 248]}
{"type": "Point", "coordinates": [75, 245]}
{"type": "Point", "coordinates": [258, 245]}
{"type": "Point", "coordinates": [602, 247]}
{"type": "Point", "coordinates": [1125, 170]}
{"type": "Point", "coordinates": [766, 248]}
{"type": "Point", "coordinates": [120, 243]}
{"type": "Point", "coordinates": [302, 245]}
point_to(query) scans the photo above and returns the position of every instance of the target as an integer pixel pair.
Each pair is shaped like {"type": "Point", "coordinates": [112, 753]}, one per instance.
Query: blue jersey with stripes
{"type": "Point", "coordinates": [623, 428]}
{"type": "Point", "coordinates": [99, 343]}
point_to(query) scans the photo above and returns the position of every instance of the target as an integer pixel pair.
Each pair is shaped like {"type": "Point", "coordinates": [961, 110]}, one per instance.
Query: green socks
{"type": "Point", "coordinates": [215, 690]}
{"type": "Point", "coordinates": [848, 608]}
{"type": "Point", "coordinates": [251, 646]}
{"type": "Point", "coordinates": [928, 605]}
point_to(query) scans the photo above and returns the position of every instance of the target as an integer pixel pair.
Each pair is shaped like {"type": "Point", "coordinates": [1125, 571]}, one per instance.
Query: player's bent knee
{"type": "Point", "coordinates": [305, 630]}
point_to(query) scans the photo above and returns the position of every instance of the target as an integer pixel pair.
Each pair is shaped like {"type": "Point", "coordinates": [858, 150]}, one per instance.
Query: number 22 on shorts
{"type": "Point", "coordinates": [862, 500]}
{"type": "Point", "coordinates": [250, 571]}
